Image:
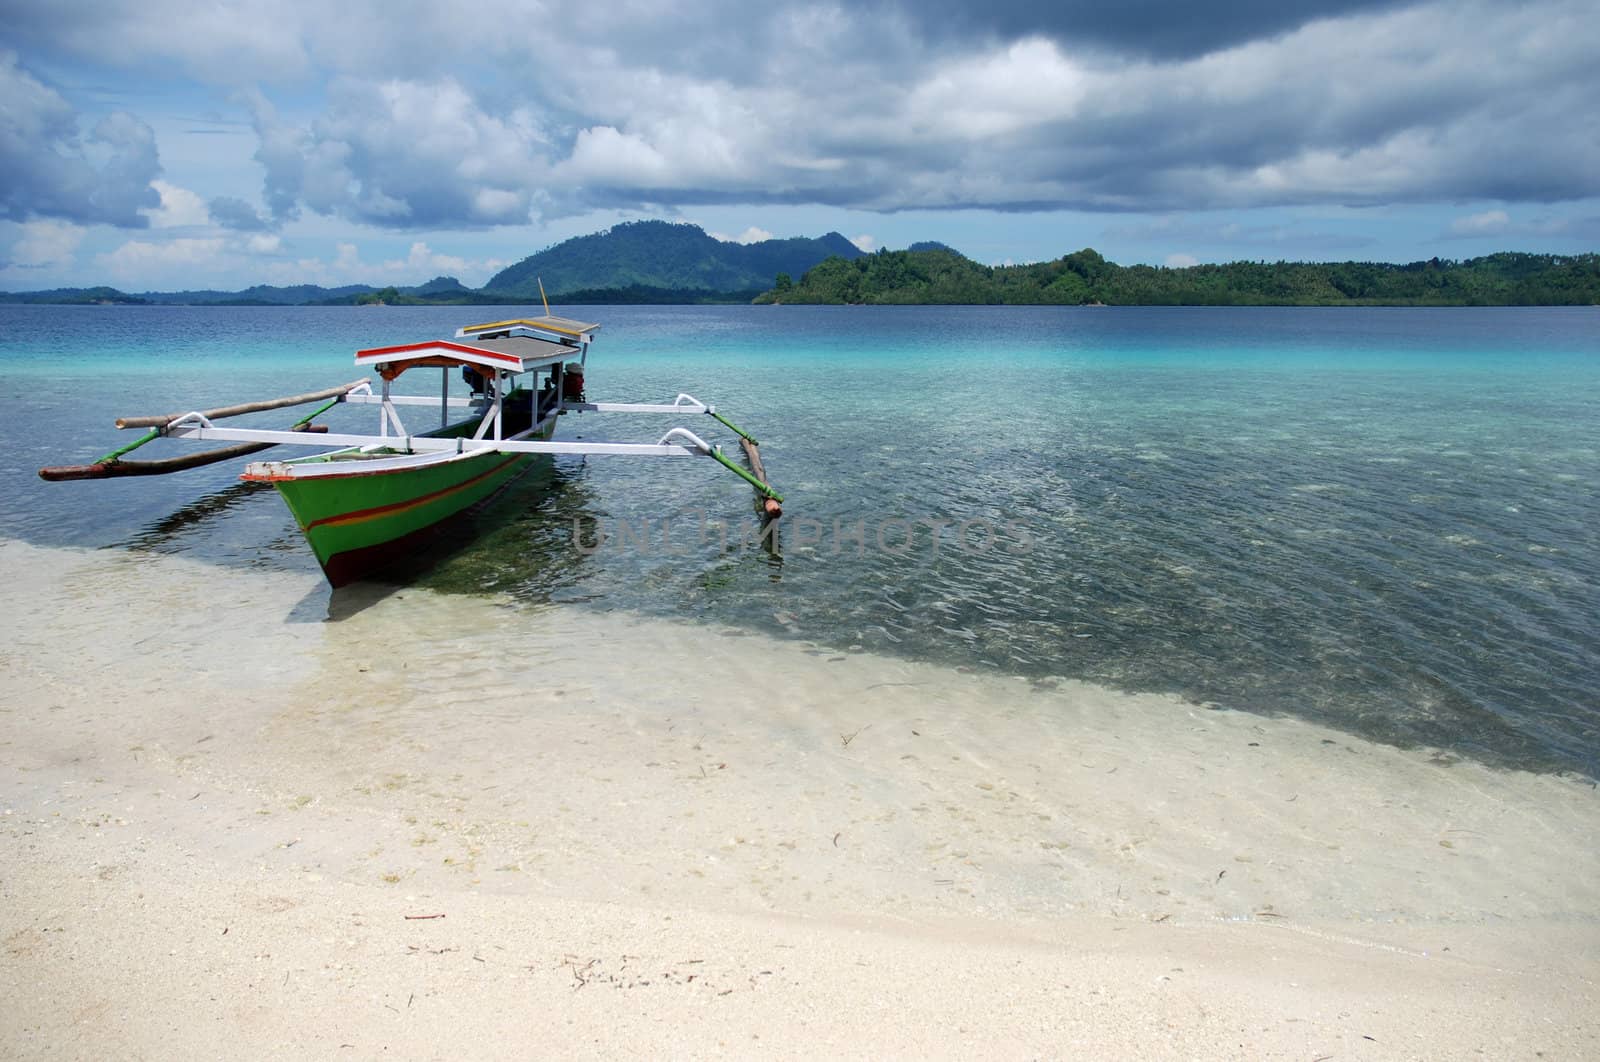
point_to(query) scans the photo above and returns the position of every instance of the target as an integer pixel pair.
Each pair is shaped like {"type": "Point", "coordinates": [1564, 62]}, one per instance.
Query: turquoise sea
{"type": "Point", "coordinates": [1382, 519]}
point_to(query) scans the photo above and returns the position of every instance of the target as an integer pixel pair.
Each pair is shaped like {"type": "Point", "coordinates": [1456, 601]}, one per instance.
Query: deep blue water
{"type": "Point", "coordinates": [1383, 519]}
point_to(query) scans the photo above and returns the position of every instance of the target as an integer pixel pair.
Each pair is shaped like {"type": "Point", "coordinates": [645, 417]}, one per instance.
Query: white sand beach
{"type": "Point", "coordinates": [442, 827]}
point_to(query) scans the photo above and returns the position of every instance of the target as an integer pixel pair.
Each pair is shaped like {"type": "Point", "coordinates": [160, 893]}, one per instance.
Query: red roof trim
{"type": "Point", "coordinates": [381, 353]}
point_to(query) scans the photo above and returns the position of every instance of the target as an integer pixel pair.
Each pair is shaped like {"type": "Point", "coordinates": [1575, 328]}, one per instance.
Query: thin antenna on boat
{"type": "Point", "coordinates": [542, 297]}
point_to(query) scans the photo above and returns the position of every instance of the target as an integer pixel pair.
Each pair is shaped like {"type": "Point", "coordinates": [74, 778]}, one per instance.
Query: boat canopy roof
{"type": "Point", "coordinates": [509, 353]}
{"type": "Point", "coordinates": [558, 328]}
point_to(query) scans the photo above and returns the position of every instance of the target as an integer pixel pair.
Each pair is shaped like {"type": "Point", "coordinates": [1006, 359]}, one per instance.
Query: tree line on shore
{"type": "Point", "coordinates": [942, 276]}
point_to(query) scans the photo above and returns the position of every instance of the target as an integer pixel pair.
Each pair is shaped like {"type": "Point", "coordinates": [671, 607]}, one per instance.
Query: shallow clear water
{"type": "Point", "coordinates": [1382, 519]}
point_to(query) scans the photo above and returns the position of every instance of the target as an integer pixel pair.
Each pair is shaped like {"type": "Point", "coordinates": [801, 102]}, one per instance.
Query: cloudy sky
{"type": "Point", "coordinates": [158, 144]}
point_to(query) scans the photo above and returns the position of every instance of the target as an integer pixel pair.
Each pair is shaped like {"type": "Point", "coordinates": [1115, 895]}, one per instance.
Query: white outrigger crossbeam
{"type": "Point", "coordinates": [403, 448]}
{"type": "Point", "coordinates": [684, 403]}
{"type": "Point", "coordinates": [196, 426]}
{"type": "Point", "coordinates": [491, 357]}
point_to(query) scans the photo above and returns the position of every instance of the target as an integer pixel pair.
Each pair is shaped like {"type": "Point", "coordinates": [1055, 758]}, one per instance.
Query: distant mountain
{"type": "Point", "coordinates": [660, 254]}
{"type": "Point", "coordinates": [641, 261]}
{"type": "Point", "coordinates": [259, 295]}
{"type": "Point", "coordinates": [73, 297]}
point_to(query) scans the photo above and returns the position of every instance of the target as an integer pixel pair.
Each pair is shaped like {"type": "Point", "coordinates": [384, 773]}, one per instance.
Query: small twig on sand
{"type": "Point", "coordinates": [571, 963]}
{"type": "Point", "coordinates": [421, 918]}
{"type": "Point", "coordinates": [845, 739]}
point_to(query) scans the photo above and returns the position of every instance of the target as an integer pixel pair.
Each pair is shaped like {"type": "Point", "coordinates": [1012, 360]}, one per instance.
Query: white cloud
{"type": "Point", "coordinates": [264, 244]}
{"type": "Point", "coordinates": [1027, 84]}
{"type": "Point", "coordinates": [1181, 261]}
{"type": "Point", "coordinates": [607, 155]}
{"type": "Point", "coordinates": [404, 154]}
{"type": "Point", "coordinates": [45, 244]}
{"type": "Point", "coordinates": [147, 264]}
{"type": "Point", "coordinates": [420, 260]}
{"type": "Point", "coordinates": [420, 264]}
{"type": "Point", "coordinates": [179, 207]}
{"type": "Point", "coordinates": [708, 135]}
{"type": "Point", "coordinates": [865, 242]}
{"type": "Point", "coordinates": [1487, 223]}
{"type": "Point", "coordinates": [753, 234]}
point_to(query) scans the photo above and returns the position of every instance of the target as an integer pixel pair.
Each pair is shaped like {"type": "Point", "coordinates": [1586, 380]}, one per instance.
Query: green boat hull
{"type": "Point", "coordinates": [358, 523]}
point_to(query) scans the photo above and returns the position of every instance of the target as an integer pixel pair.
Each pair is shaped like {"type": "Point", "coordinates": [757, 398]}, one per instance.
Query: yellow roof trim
{"type": "Point", "coordinates": [567, 328]}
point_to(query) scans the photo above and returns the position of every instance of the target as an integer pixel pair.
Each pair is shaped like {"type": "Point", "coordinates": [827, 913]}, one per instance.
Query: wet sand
{"type": "Point", "coordinates": [226, 820]}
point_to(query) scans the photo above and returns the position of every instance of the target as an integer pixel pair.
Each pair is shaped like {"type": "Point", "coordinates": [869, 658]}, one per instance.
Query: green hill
{"type": "Point", "coordinates": [1084, 277]}
{"type": "Point", "coordinates": [661, 255]}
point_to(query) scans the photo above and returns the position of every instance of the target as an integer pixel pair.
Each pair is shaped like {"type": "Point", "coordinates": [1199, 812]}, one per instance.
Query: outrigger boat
{"type": "Point", "coordinates": [374, 498]}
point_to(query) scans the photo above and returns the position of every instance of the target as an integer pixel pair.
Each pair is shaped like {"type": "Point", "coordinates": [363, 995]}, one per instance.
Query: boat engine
{"type": "Point", "coordinates": [572, 382]}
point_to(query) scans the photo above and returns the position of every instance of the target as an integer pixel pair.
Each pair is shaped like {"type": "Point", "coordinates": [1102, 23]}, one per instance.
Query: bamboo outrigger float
{"type": "Point", "coordinates": [374, 498]}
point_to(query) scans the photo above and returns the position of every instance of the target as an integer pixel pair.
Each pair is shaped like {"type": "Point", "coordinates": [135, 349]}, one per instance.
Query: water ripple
{"type": "Point", "coordinates": [1383, 520]}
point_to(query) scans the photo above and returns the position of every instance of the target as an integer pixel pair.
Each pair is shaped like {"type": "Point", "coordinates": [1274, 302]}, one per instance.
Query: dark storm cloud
{"type": "Point", "coordinates": [1163, 29]}
{"type": "Point", "coordinates": [1419, 105]}
{"type": "Point", "coordinates": [236, 214]}
{"type": "Point", "coordinates": [1002, 107]}
{"type": "Point", "coordinates": [895, 105]}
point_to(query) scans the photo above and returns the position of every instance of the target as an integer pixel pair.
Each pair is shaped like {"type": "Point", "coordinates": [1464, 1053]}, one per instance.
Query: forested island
{"type": "Point", "coordinates": [939, 275]}
{"type": "Point", "coordinates": [656, 262]}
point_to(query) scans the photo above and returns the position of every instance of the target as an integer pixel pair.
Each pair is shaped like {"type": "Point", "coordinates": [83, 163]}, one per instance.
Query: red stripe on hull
{"type": "Point", "coordinates": [353, 565]}
{"type": "Point", "coordinates": [410, 503]}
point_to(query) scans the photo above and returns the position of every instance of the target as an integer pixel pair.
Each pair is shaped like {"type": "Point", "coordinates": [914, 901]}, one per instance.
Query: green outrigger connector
{"type": "Point", "coordinates": [728, 463]}
{"type": "Point", "coordinates": [149, 436]}
{"type": "Point", "coordinates": [156, 433]}
{"type": "Point", "coordinates": [731, 426]}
